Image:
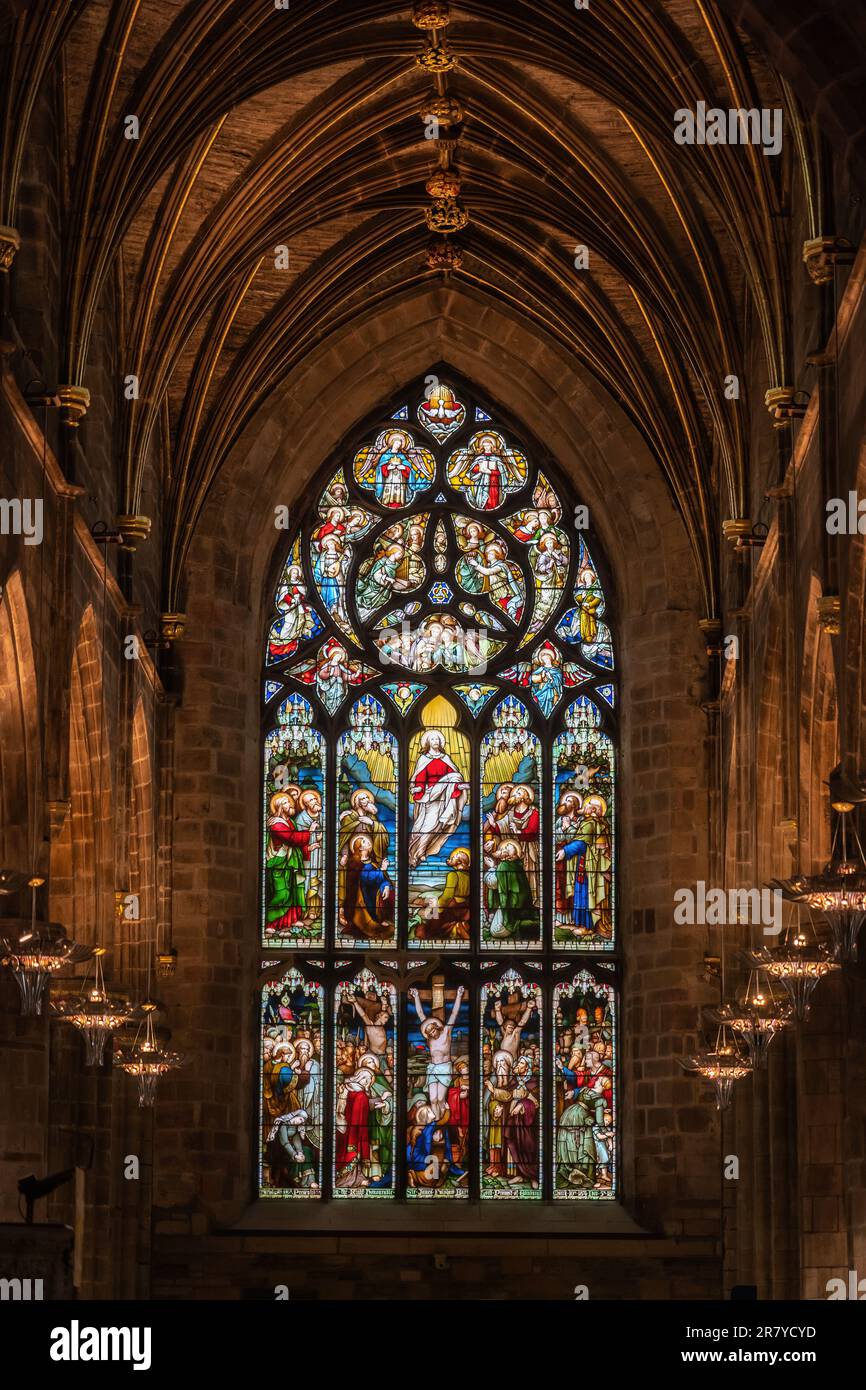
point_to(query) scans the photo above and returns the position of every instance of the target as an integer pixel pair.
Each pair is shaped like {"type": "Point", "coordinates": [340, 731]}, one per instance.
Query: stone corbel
{"type": "Point", "coordinates": [783, 405]}
{"type": "Point", "coordinates": [822, 253]}
{"type": "Point", "coordinates": [74, 404]}
{"type": "Point", "coordinates": [830, 613]}
{"type": "Point", "coordinates": [133, 530]}
{"type": "Point", "coordinates": [172, 626]}
{"type": "Point", "coordinates": [10, 245]}
{"type": "Point", "coordinates": [735, 530]}
{"type": "Point", "coordinates": [712, 630]}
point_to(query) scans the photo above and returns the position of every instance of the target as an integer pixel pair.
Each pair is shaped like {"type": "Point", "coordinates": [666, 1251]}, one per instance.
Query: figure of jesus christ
{"type": "Point", "coordinates": [439, 795]}
{"type": "Point", "coordinates": [437, 1036]}
{"type": "Point", "coordinates": [511, 1031]}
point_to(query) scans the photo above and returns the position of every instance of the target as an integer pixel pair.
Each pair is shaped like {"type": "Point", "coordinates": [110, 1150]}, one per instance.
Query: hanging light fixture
{"type": "Point", "coordinates": [146, 1059]}
{"type": "Point", "coordinates": [755, 1019]}
{"type": "Point", "coordinates": [799, 963]}
{"type": "Point", "coordinates": [94, 1012]}
{"type": "Point", "coordinates": [721, 1066]}
{"type": "Point", "coordinates": [34, 951]}
{"type": "Point", "coordinates": [838, 892]}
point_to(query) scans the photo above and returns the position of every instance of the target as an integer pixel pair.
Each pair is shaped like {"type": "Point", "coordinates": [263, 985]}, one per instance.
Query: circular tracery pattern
{"type": "Point", "coordinates": [449, 568]}
{"type": "Point", "coordinates": [439, 794]}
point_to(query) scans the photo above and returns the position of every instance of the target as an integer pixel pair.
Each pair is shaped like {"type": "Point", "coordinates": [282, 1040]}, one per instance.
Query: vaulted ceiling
{"type": "Point", "coordinates": [262, 127]}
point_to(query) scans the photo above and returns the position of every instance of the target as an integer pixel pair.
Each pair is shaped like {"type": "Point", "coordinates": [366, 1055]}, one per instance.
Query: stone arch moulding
{"type": "Point", "coordinates": [20, 761]}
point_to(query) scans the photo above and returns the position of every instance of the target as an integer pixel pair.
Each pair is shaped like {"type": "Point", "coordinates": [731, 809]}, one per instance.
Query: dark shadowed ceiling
{"type": "Point", "coordinates": [262, 127]}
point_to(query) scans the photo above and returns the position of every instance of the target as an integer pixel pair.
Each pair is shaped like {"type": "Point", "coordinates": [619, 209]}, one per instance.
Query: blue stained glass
{"type": "Point", "coordinates": [583, 806]}
{"type": "Point", "coordinates": [297, 620]}
{"type": "Point", "coordinates": [487, 607]}
{"type": "Point", "coordinates": [367, 828]}
{"type": "Point", "coordinates": [511, 1093]}
{"type": "Point", "coordinates": [584, 1073]}
{"type": "Point", "coordinates": [394, 468]}
{"type": "Point", "coordinates": [398, 615]}
{"type": "Point", "coordinates": [438, 1101]}
{"type": "Point", "coordinates": [475, 696]}
{"type": "Point", "coordinates": [440, 852]}
{"type": "Point", "coordinates": [333, 673]}
{"type": "Point", "coordinates": [365, 1065]}
{"type": "Point", "coordinates": [293, 881]}
{"type": "Point", "coordinates": [485, 619]}
{"type": "Point", "coordinates": [511, 803]}
{"type": "Point", "coordinates": [290, 1154]}
{"type": "Point", "coordinates": [582, 625]}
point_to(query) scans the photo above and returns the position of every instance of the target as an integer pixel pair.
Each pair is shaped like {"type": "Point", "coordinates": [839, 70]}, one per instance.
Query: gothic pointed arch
{"type": "Point", "coordinates": [438, 876]}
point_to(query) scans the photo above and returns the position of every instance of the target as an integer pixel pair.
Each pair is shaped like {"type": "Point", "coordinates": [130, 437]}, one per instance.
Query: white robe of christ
{"type": "Point", "coordinates": [440, 794]}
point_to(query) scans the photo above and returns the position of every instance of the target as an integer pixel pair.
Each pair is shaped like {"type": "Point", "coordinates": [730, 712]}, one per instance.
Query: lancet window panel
{"type": "Point", "coordinates": [439, 795]}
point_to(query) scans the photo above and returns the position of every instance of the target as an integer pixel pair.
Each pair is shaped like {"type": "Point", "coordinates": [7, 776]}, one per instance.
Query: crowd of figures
{"type": "Point", "coordinates": [584, 1088]}
{"type": "Point", "coordinates": [365, 1055]}
{"type": "Point", "coordinates": [438, 1076]}
{"type": "Point", "coordinates": [447, 585]}
{"type": "Point", "coordinates": [292, 1099]}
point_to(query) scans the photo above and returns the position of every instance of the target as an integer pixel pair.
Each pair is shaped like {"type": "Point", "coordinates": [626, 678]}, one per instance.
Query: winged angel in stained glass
{"type": "Point", "coordinates": [487, 471]}
{"type": "Point", "coordinates": [439, 788]}
{"type": "Point", "coordinates": [394, 468]}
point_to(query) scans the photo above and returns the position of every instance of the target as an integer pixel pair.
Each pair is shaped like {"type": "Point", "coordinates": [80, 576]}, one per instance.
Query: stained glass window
{"type": "Point", "coordinates": [439, 1005]}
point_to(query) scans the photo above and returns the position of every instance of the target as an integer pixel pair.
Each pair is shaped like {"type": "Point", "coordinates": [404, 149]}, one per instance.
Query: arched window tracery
{"type": "Point", "coordinates": [439, 799]}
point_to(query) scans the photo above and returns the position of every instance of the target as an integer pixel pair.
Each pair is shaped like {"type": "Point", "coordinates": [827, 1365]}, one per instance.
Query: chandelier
{"type": "Point", "coordinates": [798, 963]}
{"type": "Point", "coordinates": [755, 1019]}
{"type": "Point", "coordinates": [146, 1059]}
{"type": "Point", "coordinates": [721, 1066]}
{"type": "Point", "coordinates": [94, 1012]}
{"type": "Point", "coordinates": [33, 952]}
{"type": "Point", "coordinates": [839, 891]}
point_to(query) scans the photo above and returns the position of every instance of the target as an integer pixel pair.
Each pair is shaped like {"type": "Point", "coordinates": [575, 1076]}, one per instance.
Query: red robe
{"type": "Point", "coordinates": [528, 826]}
{"type": "Point", "coordinates": [458, 1108]}
{"type": "Point", "coordinates": [354, 1142]}
{"type": "Point", "coordinates": [429, 775]}
{"type": "Point", "coordinates": [493, 497]}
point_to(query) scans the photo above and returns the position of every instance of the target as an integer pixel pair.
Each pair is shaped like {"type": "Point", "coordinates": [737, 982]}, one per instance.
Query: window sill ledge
{"type": "Point", "coordinates": [439, 1217]}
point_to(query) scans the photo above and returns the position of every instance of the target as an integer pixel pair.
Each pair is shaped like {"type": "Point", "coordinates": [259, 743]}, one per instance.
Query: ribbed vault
{"type": "Point", "coordinates": [261, 127]}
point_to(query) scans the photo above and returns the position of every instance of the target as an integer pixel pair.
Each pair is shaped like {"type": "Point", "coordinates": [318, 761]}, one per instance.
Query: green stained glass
{"type": "Point", "coordinates": [439, 811]}
{"type": "Point", "coordinates": [584, 1075]}
{"type": "Point", "coordinates": [366, 1058]}
{"type": "Point", "coordinates": [291, 1099]}
{"type": "Point", "coordinates": [511, 847]}
{"type": "Point", "coordinates": [475, 696]}
{"type": "Point", "coordinates": [512, 1039]}
{"type": "Point", "coordinates": [404, 693]}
